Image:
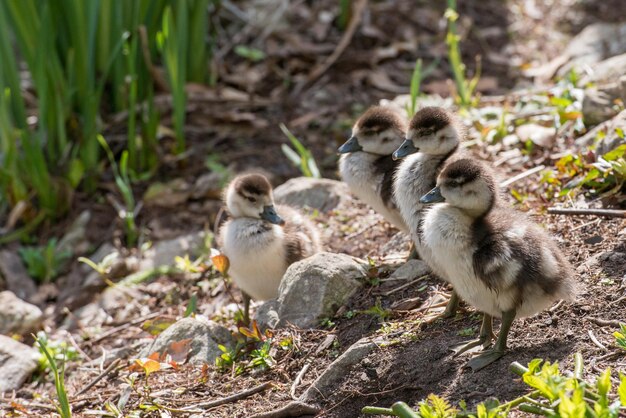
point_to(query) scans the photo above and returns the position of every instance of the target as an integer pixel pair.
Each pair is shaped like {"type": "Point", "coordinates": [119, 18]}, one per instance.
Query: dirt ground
{"type": "Point", "coordinates": [238, 123]}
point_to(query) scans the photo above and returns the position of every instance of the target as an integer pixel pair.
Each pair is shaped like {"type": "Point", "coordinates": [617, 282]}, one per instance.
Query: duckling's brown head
{"type": "Point", "coordinates": [380, 130]}
{"type": "Point", "coordinates": [433, 131]}
{"type": "Point", "coordinates": [467, 185]}
{"type": "Point", "coordinates": [250, 196]}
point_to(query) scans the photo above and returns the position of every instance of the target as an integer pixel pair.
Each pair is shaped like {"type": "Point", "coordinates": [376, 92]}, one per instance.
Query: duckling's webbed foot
{"type": "Point", "coordinates": [489, 356]}
{"type": "Point", "coordinates": [486, 336]}
{"type": "Point", "coordinates": [485, 359]}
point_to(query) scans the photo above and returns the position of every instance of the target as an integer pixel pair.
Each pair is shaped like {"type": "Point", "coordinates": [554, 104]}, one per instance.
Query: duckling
{"type": "Point", "coordinates": [366, 164]}
{"type": "Point", "coordinates": [262, 239]}
{"type": "Point", "coordinates": [436, 133]}
{"type": "Point", "coordinates": [495, 258]}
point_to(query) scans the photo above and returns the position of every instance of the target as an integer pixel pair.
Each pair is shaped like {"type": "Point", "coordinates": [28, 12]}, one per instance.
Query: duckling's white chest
{"type": "Point", "coordinates": [359, 173]}
{"type": "Point", "coordinates": [257, 255]}
{"type": "Point", "coordinates": [447, 235]}
{"type": "Point", "coordinates": [416, 176]}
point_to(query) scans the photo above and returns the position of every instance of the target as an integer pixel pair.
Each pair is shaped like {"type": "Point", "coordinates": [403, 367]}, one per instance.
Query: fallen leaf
{"type": "Point", "coordinates": [179, 350]}
{"type": "Point", "coordinates": [157, 325]}
{"type": "Point", "coordinates": [221, 263]}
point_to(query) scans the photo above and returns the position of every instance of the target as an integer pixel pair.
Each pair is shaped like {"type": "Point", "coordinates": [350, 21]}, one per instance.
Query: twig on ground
{"type": "Point", "coordinates": [345, 40]}
{"type": "Point", "coordinates": [298, 379]}
{"type": "Point", "coordinates": [232, 398]}
{"type": "Point", "coordinates": [75, 345]}
{"type": "Point", "coordinates": [98, 378]}
{"type": "Point", "coordinates": [392, 291]}
{"type": "Point", "coordinates": [522, 175]}
{"type": "Point", "coordinates": [292, 409]}
{"type": "Point", "coordinates": [611, 213]}
{"type": "Point", "coordinates": [604, 322]}
{"type": "Point", "coordinates": [557, 306]}
{"type": "Point", "coordinates": [595, 341]}
{"type": "Point", "coordinates": [124, 326]}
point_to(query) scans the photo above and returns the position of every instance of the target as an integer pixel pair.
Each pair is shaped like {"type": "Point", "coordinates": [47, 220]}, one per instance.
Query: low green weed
{"type": "Point", "coordinates": [44, 263]}
{"type": "Point", "coordinates": [620, 336]}
{"type": "Point", "coordinates": [301, 157]}
{"type": "Point", "coordinates": [252, 351]}
{"type": "Point", "coordinates": [51, 360]}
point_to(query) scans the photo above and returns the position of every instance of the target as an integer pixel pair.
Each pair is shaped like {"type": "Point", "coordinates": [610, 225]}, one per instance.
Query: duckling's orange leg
{"type": "Point", "coordinates": [493, 354]}
{"type": "Point", "coordinates": [485, 338]}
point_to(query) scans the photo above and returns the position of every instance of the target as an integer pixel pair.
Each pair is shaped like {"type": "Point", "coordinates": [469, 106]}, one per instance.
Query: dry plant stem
{"type": "Point", "coordinates": [292, 409]}
{"type": "Point", "coordinates": [232, 398]}
{"type": "Point", "coordinates": [297, 381]}
{"type": "Point", "coordinates": [106, 371]}
{"type": "Point", "coordinates": [154, 73]}
{"type": "Point", "coordinates": [419, 279]}
{"type": "Point", "coordinates": [611, 213]}
{"type": "Point", "coordinates": [319, 70]}
{"type": "Point", "coordinates": [596, 342]}
{"type": "Point", "coordinates": [124, 326]}
{"type": "Point", "coordinates": [522, 175]}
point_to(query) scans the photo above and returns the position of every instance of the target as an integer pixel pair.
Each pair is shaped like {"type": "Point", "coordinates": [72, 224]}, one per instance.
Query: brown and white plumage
{"type": "Point", "coordinates": [366, 164]}
{"type": "Point", "coordinates": [495, 258]}
{"type": "Point", "coordinates": [262, 240]}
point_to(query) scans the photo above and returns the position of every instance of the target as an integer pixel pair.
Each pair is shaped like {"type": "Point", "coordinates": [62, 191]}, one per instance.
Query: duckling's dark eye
{"type": "Point", "coordinates": [251, 199]}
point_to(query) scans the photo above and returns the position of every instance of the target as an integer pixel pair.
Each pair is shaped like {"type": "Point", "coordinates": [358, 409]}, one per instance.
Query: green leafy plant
{"type": "Point", "coordinates": [253, 350]}
{"type": "Point", "coordinates": [44, 263]}
{"type": "Point", "coordinates": [465, 88]}
{"type": "Point", "coordinates": [63, 404]}
{"type": "Point", "coordinates": [301, 157]}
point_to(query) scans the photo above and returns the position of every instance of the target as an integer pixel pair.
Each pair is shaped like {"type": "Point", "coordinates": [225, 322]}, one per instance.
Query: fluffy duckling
{"type": "Point", "coordinates": [494, 257]}
{"type": "Point", "coordinates": [262, 240]}
{"type": "Point", "coordinates": [436, 133]}
{"type": "Point", "coordinates": [366, 164]}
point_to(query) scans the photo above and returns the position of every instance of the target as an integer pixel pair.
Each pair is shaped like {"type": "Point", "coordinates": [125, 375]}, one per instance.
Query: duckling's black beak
{"type": "Point", "coordinates": [351, 145]}
{"type": "Point", "coordinates": [433, 196]}
{"type": "Point", "coordinates": [269, 214]}
{"type": "Point", "coordinates": [405, 149]}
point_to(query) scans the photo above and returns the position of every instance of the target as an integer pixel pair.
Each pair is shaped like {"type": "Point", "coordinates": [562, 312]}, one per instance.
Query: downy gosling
{"type": "Point", "coordinates": [366, 164]}
{"type": "Point", "coordinates": [495, 257]}
{"type": "Point", "coordinates": [262, 239]}
{"type": "Point", "coordinates": [436, 133]}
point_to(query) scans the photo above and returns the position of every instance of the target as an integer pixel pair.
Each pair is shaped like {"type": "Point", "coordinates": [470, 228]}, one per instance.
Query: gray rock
{"type": "Point", "coordinates": [316, 287]}
{"type": "Point", "coordinates": [209, 185]}
{"type": "Point", "coordinates": [606, 257]}
{"type": "Point", "coordinates": [412, 269]}
{"type": "Point", "coordinates": [338, 370]}
{"type": "Point", "coordinates": [205, 337]}
{"type": "Point", "coordinates": [18, 316]}
{"type": "Point", "coordinates": [164, 252]}
{"type": "Point", "coordinates": [17, 362]}
{"type": "Point", "coordinates": [167, 195]}
{"type": "Point", "coordinates": [539, 135]}
{"type": "Point", "coordinates": [599, 103]}
{"type": "Point", "coordinates": [321, 194]}
{"type": "Point", "coordinates": [15, 276]}
{"type": "Point", "coordinates": [611, 139]}
{"type": "Point", "coordinates": [607, 71]}
{"type": "Point", "coordinates": [267, 314]}
{"type": "Point", "coordinates": [595, 43]}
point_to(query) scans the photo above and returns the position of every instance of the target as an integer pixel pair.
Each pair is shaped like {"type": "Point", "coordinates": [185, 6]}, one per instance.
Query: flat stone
{"type": "Point", "coordinates": [267, 314]}
{"type": "Point", "coordinates": [412, 269]}
{"type": "Point", "coordinates": [320, 194]}
{"type": "Point", "coordinates": [163, 253]}
{"type": "Point", "coordinates": [17, 362]}
{"type": "Point", "coordinates": [205, 336]}
{"type": "Point", "coordinates": [611, 138]}
{"type": "Point", "coordinates": [18, 316]}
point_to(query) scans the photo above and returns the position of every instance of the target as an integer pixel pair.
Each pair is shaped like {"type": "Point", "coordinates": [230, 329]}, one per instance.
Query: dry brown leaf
{"type": "Point", "coordinates": [221, 263]}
